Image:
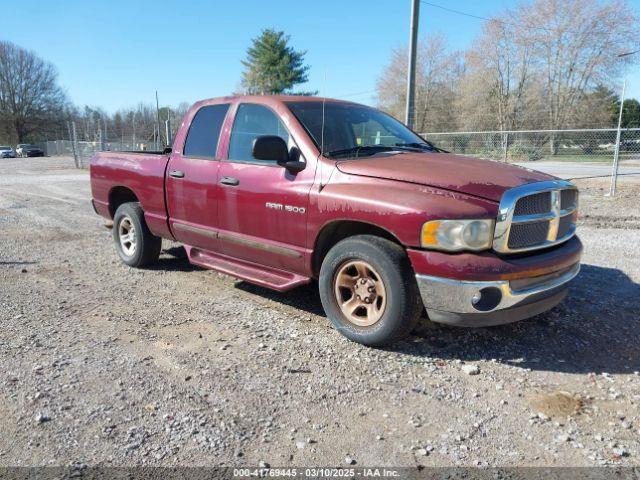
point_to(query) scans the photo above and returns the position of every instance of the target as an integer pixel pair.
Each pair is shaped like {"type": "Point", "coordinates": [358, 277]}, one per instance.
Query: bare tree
{"type": "Point", "coordinates": [538, 65]}
{"type": "Point", "coordinates": [436, 79]}
{"type": "Point", "coordinates": [576, 46]}
{"type": "Point", "coordinates": [497, 87]}
{"type": "Point", "coordinates": [30, 98]}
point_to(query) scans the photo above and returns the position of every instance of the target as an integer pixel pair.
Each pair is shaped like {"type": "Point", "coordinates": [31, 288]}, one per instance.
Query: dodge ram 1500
{"type": "Point", "coordinates": [283, 190]}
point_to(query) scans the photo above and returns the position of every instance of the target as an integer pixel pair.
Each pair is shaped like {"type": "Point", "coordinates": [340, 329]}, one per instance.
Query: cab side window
{"type": "Point", "coordinates": [251, 122]}
{"type": "Point", "coordinates": [202, 139]}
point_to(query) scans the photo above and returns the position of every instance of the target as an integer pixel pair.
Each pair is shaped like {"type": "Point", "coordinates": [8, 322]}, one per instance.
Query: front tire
{"type": "Point", "coordinates": [135, 243]}
{"type": "Point", "coordinates": [368, 290]}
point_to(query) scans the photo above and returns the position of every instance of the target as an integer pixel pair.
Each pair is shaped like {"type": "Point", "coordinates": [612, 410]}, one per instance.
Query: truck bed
{"type": "Point", "coordinates": [123, 174]}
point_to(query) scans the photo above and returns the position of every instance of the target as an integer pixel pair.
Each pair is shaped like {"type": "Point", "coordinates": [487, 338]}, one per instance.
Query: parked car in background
{"type": "Point", "coordinates": [7, 152]}
{"type": "Point", "coordinates": [28, 150]}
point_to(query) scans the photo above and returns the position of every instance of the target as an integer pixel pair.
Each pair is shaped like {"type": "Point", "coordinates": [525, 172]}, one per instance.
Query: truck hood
{"type": "Point", "coordinates": [482, 178]}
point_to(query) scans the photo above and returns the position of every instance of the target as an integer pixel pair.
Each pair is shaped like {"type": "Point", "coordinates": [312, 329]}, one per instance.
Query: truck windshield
{"type": "Point", "coordinates": [352, 130]}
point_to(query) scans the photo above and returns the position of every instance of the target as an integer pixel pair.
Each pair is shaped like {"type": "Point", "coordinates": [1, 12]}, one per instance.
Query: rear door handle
{"type": "Point", "coordinates": [176, 174]}
{"type": "Point", "coordinates": [230, 181]}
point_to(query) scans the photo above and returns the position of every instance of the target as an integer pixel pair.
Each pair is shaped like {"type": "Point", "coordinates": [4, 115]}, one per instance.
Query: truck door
{"type": "Point", "coordinates": [262, 211]}
{"type": "Point", "coordinates": [191, 184]}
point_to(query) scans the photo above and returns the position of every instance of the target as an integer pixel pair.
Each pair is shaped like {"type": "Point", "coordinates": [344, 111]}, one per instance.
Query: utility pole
{"type": "Point", "coordinates": [72, 139]}
{"type": "Point", "coordinates": [616, 152]}
{"type": "Point", "coordinates": [133, 124]}
{"type": "Point", "coordinates": [157, 121]}
{"type": "Point", "coordinates": [167, 129]}
{"type": "Point", "coordinates": [100, 142]}
{"type": "Point", "coordinates": [411, 71]}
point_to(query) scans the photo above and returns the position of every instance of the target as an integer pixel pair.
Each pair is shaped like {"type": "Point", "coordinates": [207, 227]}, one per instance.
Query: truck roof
{"type": "Point", "coordinates": [271, 99]}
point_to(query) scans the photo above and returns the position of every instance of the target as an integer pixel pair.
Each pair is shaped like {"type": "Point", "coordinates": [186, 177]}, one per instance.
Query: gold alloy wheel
{"type": "Point", "coordinates": [127, 236]}
{"type": "Point", "coordinates": [360, 293]}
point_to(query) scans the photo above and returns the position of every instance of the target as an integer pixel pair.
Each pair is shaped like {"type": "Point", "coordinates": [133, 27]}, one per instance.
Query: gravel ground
{"type": "Point", "coordinates": [175, 365]}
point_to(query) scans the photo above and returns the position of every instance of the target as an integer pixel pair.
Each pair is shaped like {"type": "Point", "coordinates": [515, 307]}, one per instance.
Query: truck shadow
{"type": "Point", "coordinates": [174, 259]}
{"type": "Point", "coordinates": [595, 329]}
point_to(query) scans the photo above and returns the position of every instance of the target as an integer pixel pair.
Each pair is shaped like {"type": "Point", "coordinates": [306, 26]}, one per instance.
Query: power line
{"type": "Point", "coordinates": [353, 94]}
{"type": "Point", "coordinates": [626, 54]}
{"type": "Point", "coordinates": [461, 13]}
{"type": "Point", "coordinates": [487, 19]}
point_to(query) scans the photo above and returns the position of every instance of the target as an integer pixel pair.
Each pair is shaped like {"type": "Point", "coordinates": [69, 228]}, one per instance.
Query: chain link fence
{"type": "Point", "coordinates": [597, 145]}
{"type": "Point", "coordinates": [83, 151]}
{"type": "Point", "coordinates": [534, 145]}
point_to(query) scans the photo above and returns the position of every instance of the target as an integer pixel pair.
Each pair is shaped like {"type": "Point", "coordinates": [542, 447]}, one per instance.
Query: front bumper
{"type": "Point", "coordinates": [485, 303]}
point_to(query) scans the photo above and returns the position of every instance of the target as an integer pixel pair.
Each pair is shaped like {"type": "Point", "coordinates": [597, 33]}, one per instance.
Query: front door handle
{"type": "Point", "coordinates": [229, 181]}
{"type": "Point", "coordinates": [176, 174]}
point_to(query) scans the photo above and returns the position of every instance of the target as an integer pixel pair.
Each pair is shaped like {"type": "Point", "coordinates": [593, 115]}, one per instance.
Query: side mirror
{"type": "Point", "coordinates": [270, 147]}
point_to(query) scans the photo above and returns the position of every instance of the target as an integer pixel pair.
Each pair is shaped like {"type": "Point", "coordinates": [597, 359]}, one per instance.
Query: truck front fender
{"type": "Point", "coordinates": [398, 208]}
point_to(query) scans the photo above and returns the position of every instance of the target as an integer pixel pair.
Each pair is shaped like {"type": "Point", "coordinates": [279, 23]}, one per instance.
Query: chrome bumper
{"type": "Point", "coordinates": [478, 303]}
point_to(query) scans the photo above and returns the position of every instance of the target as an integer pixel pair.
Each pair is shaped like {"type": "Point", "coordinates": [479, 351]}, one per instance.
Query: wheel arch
{"type": "Point", "coordinates": [335, 231]}
{"type": "Point", "coordinates": [119, 195]}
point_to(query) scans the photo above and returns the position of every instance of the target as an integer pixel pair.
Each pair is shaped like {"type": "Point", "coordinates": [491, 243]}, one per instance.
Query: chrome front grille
{"type": "Point", "coordinates": [536, 215]}
{"type": "Point", "coordinates": [568, 199]}
{"type": "Point", "coordinates": [565, 226]}
{"type": "Point", "coordinates": [533, 204]}
{"type": "Point", "coordinates": [524, 235]}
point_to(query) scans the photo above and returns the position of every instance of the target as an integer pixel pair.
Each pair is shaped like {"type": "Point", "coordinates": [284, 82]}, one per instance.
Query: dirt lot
{"type": "Point", "coordinates": [103, 364]}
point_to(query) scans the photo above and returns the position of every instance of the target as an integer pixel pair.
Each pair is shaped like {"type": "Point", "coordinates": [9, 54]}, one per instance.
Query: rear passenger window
{"type": "Point", "coordinates": [251, 122]}
{"type": "Point", "coordinates": [202, 139]}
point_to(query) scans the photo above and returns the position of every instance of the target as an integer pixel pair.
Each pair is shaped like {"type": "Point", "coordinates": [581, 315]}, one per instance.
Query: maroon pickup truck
{"type": "Point", "coordinates": [282, 190]}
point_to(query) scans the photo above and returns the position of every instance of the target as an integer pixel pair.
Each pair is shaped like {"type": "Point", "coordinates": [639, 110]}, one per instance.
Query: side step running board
{"type": "Point", "coordinates": [252, 273]}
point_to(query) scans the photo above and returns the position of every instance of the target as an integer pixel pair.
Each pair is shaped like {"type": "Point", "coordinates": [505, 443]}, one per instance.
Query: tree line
{"type": "Point", "coordinates": [33, 107]}
{"type": "Point", "coordinates": [545, 64]}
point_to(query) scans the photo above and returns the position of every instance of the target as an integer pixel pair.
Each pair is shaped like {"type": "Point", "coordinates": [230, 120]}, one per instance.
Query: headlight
{"type": "Point", "coordinates": [457, 235]}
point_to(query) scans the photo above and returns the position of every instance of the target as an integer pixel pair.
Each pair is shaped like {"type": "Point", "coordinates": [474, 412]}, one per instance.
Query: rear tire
{"type": "Point", "coordinates": [368, 290]}
{"type": "Point", "coordinates": [135, 243]}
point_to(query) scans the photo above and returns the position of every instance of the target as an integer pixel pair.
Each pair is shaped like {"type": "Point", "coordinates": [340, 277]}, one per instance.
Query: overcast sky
{"type": "Point", "coordinates": [116, 53]}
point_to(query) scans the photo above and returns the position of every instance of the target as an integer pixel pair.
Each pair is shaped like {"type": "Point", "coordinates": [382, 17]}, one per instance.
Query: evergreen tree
{"type": "Point", "coordinates": [630, 113]}
{"type": "Point", "coordinates": [272, 66]}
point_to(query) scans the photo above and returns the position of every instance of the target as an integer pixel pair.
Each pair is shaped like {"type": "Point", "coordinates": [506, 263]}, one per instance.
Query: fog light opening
{"type": "Point", "coordinates": [486, 299]}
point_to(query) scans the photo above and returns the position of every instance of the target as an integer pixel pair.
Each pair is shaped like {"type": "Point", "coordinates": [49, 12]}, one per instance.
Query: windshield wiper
{"type": "Point", "coordinates": [369, 149]}
{"type": "Point", "coordinates": [421, 146]}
